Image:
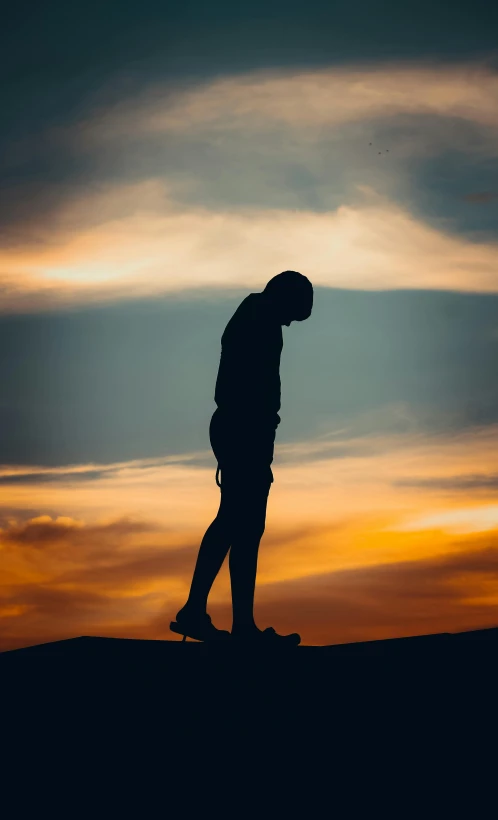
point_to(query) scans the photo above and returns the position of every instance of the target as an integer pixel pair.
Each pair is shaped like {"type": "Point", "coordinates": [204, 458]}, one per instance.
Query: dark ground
{"type": "Point", "coordinates": [189, 728]}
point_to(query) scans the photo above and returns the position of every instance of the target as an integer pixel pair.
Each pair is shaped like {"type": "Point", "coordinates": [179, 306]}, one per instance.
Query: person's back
{"type": "Point", "coordinates": [247, 393]}
{"type": "Point", "coordinates": [248, 382]}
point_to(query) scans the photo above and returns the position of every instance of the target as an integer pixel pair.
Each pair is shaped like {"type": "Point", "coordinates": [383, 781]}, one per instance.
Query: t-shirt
{"type": "Point", "coordinates": [248, 383]}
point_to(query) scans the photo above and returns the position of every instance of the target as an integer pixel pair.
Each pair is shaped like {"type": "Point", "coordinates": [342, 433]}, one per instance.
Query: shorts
{"type": "Point", "coordinates": [243, 449]}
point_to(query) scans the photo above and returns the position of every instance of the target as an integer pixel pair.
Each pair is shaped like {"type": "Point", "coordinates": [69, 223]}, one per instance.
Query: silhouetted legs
{"type": "Point", "coordinates": [238, 526]}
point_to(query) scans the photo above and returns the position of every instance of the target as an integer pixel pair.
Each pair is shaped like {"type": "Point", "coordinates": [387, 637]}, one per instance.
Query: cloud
{"type": "Point", "coordinates": [125, 544]}
{"type": "Point", "coordinates": [318, 480]}
{"type": "Point", "coordinates": [304, 100]}
{"type": "Point", "coordinates": [271, 160]}
{"type": "Point", "coordinates": [23, 474]}
{"type": "Point", "coordinates": [214, 186]}
{"type": "Point", "coordinates": [332, 569]}
{"type": "Point", "coordinates": [63, 577]}
{"type": "Point", "coordinates": [102, 385]}
{"type": "Point", "coordinates": [42, 531]}
{"type": "Point", "coordinates": [474, 481]}
{"type": "Point", "coordinates": [446, 593]}
{"type": "Point", "coordinates": [377, 245]}
{"type": "Point", "coordinates": [480, 197]}
{"type": "Point", "coordinates": [36, 478]}
{"type": "Point", "coordinates": [460, 520]}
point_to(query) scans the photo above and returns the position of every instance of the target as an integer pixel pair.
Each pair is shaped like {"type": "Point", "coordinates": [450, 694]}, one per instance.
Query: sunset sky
{"type": "Point", "coordinates": [158, 162]}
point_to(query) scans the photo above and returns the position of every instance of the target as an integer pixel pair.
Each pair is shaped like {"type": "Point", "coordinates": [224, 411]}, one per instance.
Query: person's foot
{"type": "Point", "coordinates": [197, 625]}
{"type": "Point", "coordinates": [253, 636]}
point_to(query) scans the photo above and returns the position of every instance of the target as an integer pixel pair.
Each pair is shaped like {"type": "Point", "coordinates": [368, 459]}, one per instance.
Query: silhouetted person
{"type": "Point", "coordinates": [242, 435]}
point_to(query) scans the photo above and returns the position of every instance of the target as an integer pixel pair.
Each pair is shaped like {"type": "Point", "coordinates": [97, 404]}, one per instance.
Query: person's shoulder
{"type": "Point", "coordinates": [249, 316]}
{"type": "Point", "coordinates": [257, 303]}
{"type": "Point", "coordinates": [250, 307]}
{"type": "Point", "coordinates": [252, 300]}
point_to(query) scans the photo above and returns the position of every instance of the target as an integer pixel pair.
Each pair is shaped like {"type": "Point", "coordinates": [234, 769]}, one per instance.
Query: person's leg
{"type": "Point", "coordinates": [216, 541]}
{"type": "Point", "coordinates": [250, 512]}
{"type": "Point", "coordinates": [243, 567]}
{"type": "Point", "coordinates": [212, 552]}
{"type": "Point", "coordinates": [240, 520]}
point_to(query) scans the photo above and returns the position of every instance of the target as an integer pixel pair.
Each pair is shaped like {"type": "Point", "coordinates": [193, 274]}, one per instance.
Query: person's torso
{"type": "Point", "coordinates": [248, 382]}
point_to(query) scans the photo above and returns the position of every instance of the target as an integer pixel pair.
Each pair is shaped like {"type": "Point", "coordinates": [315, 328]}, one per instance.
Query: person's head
{"type": "Point", "coordinates": [291, 295]}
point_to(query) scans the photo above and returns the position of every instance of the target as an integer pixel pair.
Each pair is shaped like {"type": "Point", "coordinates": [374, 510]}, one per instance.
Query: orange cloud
{"type": "Point", "coordinates": [353, 543]}
{"type": "Point", "coordinates": [105, 588]}
{"type": "Point", "coordinates": [378, 245]}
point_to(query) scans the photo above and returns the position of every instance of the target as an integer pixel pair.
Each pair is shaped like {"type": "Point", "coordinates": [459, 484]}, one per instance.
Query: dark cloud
{"type": "Point", "coordinates": [49, 533]}
{"type": "Point", "coordinates": [462, 482]}
{"type": "Point", "coordinates": [481, 197]}
{"type": "Point", "coordinates": [10, 513]}
{"type": "Point", "coordinates": [94, 555]}
{"type": "Point", "coordinates": [462, 158]}
{"type": "Point", "coordinates": [131, 381]}
{"type": "Point", "coordinates": [71, 477]}
{"type": "Point", "coordinates": [47, 613]}
{"type": "Point", "coordinates": [146, 564]}
{"type": "Point", "coordinates": [49, 602]}
{"type": "Point", "coordinates": [56, 55]}
{"type": "Point", "coordinates": [60, 64]}
{"type": "Point", "coordinates": [42, 478]}
{"type": "Point", "coordinates": [433, 158]}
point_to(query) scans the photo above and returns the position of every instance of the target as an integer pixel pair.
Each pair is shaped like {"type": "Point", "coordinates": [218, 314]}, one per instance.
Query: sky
{"type": "Point", "coordinates": [158, 162]}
